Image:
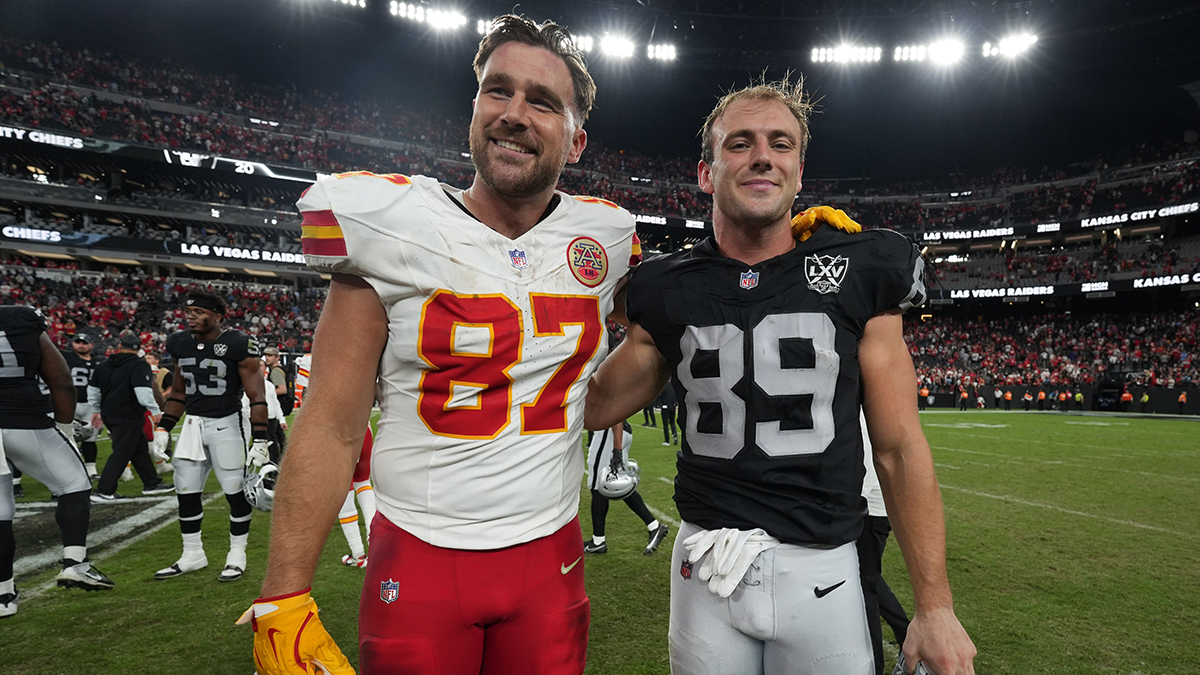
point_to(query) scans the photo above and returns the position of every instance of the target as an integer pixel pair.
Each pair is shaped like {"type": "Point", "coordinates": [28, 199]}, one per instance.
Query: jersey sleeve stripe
{"type": "Point", "coordinates": [320, 234]}
{"type": "Point", "coordinates": [635, 256]}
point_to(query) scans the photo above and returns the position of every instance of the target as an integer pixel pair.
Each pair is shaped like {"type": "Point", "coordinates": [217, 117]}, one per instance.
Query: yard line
{"type": "Point", "coordinates": [950, 466]}
{"type": "Point", "coordinates": [1082, 465]}
{"type": "Point", "coordinates": [112, 532]}
{"type": "Point", "coordinates": [662, 516]}
{"type": "Point", "coordinates": [1076, 444]}
{"type": "Point", "coordinates": [666, 480]}
{"type": "Point", "coordinates": [1118, 521]}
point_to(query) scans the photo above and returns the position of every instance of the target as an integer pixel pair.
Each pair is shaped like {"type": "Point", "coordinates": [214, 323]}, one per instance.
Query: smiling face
{"type": "Point", "coordinates": [524, 128]}
{"type": "Point", "coordinates": [756, 167]}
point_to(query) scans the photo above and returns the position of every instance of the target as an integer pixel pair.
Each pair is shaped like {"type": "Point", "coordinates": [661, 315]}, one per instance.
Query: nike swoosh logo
{"type": "Point", "coordinates": [822, 592]}
{"type": "Point", "coordinates": [222, 428]}
{"type": "Point", "coordinates": [567, 568]}
{"type": "Point", "coordinates": [271, 636]}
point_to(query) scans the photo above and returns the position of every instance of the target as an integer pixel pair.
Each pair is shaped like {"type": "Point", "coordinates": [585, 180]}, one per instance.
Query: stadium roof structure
{"type": "Point", "coordinates": [1102, 72]}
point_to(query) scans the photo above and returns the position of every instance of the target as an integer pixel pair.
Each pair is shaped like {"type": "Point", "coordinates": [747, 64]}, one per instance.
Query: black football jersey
{"type": "Point", "coordinates": [81, 372]}
{"type": "Point", "coordinates": [212, 384]}
{"type": "Point", "coordinates": [764, 361]}
{"type": "Point", "coordinates": [22, 404]}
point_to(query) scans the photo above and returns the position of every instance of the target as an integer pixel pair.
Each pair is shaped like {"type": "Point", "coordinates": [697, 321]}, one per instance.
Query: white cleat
{"type": "Point", "coordinates": [188, 563]}
{"type": "Point", "coordinates": [354, 561]}
{"type": "Point", "coordinates": [8, 603]}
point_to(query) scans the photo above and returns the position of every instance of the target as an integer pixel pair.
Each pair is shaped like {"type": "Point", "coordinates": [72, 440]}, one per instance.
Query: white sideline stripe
{"type": "Point", "coordinates": [1082, 465]}
{"type": "Point", "coordinates": [1073, 512]}
{"type": "Point", "coordinates": [112, 532]}
{"type": "Point", "coordinates": [662, 517]}
{"type": "Point", "coordinates": [666, 480]}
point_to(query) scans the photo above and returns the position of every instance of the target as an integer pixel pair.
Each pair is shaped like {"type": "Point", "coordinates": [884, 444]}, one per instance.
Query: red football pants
{"type": "Point", "coordinates": [517, 610]}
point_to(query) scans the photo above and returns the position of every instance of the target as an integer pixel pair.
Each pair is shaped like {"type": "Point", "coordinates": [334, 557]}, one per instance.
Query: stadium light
{"type": "Point", "coordinates": [661, 52]}
{"type": "Point", "coordinates": [438, 19]}
{"type": "Point", "coordinates": [946, 52]}
{"type": "Point", "coordinates": [1015, 45]}
{"type": "Point", "coordinates": [847, 54]}
{"type": "Point", "coordinates": [583, 43]}
{"type": "Point", "coordinates": [361, 4]}
{"type": "Point", "coordinates": [617, 46]}
{"type": "Point", "coordinates": [910, 53]}
{"type": "Point", "coordinates": [482, 26]}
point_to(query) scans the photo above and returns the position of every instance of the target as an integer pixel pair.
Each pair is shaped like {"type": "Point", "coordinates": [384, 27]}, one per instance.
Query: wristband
{"type": "Point", "coordinates": [254, 403]}
{"type": "Point", "coordinates": [167, 422]}
{"type": "Point", "coordinates": [258, 434]}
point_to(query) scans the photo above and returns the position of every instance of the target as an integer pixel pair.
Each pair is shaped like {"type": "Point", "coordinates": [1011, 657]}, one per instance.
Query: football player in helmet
{"type": "Point", "coordinates": [213, 365]}
{"type": "Point", "coordinates": [41, 445]}
{"type": "Point", "coordinates": [774, 344]}
{"type": "Point", "coordinates": [613, 474]}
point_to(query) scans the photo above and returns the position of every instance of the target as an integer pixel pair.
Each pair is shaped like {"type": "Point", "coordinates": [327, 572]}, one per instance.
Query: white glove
{"type": "Point", "coordinates": [158, 447]}
{"type": "Point", "coordinates": [259, 454]}
{"type": "Point", "coordinates": [68, 429]}
{"type": "Point", "coordinates": [730, 553]}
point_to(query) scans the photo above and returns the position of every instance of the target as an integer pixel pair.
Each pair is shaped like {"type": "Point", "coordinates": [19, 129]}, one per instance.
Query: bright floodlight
{"type": "Point", "coordinates": [353, 3]}
{"type": "Point", "coordinates": [482, 26]}
{"type": "Point", "coordinates": [583, 43]}
{"type": "Point", "coordinates": [1014, 45]}
{"type": "Point", "coordinates": [661, 52]}
{"type": "Point", "coordinates": [909, 53]}
{"type": "Point", "coordinates": [847, 54]}
{"type": "Point", "coordinates": [946, 51]}
{"type": "Point", "coordinates": [445, 19]}
{"type": "Point", "coordinates": [617, 46]}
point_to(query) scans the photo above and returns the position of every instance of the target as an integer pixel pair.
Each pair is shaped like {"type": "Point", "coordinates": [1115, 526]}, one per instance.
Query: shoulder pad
{"type": "Point", "coordinates": [22, 318]}
{"type": "Point", "coordinates": [338, 211]}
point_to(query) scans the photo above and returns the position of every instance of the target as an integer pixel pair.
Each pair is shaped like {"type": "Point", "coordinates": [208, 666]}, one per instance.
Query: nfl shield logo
{"type": "Point", "coordinates": [825, 272]}
{"type": "Point", "coordinates": [389, 590]}
{"type": "Point", "coordinates": [749, 279]}
{"type": "Point", "coordinates": [517, 257]}
{"type": "Point", "coordinates": [685, 570]}
{"type": "Point", "coordinates": [220, 349]}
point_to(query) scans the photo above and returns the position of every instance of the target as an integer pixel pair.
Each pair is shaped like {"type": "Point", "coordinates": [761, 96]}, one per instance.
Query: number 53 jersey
{"type": "Point", "coordinates": [765, 366]}
{"type": "Point", "coordinates": [491, 343]}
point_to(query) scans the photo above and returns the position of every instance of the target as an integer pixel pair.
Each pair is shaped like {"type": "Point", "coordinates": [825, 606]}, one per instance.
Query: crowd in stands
{"type": "Point", "coordinates": [106, 305]}
{"type": "Point", "coordinates": [1146, 349]}
{"type": "Point", "coordinates": [1068, 264]}
{"type": "Point", "coordinates": [307, 129]}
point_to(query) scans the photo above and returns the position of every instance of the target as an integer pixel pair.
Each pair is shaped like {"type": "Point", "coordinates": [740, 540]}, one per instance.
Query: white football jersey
{"type": "Point", "coordinates": [303, 365]}
{"type": "Point", "coordinates": [491, 343]}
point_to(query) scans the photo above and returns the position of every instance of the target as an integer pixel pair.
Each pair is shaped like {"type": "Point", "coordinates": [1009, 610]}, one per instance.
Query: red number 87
{"type": "Point", "coordinates": [484, 376]}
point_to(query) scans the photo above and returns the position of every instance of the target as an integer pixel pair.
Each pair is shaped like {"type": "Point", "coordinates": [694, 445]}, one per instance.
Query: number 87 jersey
{"type": "Point", "coordinates": [491, 343]}
{"type": "Point", "coordinates": [764, 361]}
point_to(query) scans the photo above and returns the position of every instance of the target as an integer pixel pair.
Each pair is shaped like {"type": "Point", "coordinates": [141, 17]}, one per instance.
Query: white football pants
{"type": "Point", "coordinates": [774, 623]}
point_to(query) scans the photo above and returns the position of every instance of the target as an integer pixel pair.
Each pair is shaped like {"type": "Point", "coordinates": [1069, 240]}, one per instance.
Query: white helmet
{"type": "Point", "coordinates": [259, 486]}
{"type": "Point", "coordinates": [621, 481]}
{"type": "Point", "coordinates": [82, 432]}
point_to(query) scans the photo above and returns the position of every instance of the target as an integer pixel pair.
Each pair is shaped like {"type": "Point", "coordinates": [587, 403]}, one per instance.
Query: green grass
{"type": "Point", "coordinates": [1073, 548]}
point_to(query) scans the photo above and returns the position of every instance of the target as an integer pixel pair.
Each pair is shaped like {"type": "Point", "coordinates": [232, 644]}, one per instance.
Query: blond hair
{"type": "Point", "coordinates": [790, 94]}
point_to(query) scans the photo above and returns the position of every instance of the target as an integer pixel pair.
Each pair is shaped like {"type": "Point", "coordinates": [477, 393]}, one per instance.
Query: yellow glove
{"type": "Point", "coordinates": [805, 224]}
{"type": "Point", "coordinates": [290, 640]}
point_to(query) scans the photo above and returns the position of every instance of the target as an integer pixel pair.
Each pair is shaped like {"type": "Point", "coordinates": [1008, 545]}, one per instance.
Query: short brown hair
{"type": "Point", "coordinates": [553, 38]}
{"type": "Point", "coordinates": [784, 91]}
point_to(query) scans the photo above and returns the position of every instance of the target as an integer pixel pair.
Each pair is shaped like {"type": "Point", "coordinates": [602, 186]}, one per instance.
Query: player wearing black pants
{"type": "Point", "coordinates": [80, 361]}
{"type": "Point", "coordinates": [666, 406]}
{"type": "Point", "coordinates": [603, 453]}
{"type": "Point", "coordinates": [31, 442]}
{"type": "Point", "coordinates": [121, 391]}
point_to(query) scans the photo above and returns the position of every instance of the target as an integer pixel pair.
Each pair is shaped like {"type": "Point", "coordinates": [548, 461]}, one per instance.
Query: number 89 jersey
{"type": "Point", "coordinates": [765, 365]}
{"type": "Point", "coordinates": [491, 343]}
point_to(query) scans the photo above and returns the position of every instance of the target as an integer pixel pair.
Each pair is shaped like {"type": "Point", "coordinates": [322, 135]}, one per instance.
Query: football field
{"type": "Point", "coordinates": [1073, 547]}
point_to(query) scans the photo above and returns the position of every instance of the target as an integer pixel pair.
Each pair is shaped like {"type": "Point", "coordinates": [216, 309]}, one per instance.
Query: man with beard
{"type": "Point", "coordinates": [82, 365]}
{"type": "Point", "coordinates": [477, 317]}
{"type": "Point", "coordinates": [212, 366]}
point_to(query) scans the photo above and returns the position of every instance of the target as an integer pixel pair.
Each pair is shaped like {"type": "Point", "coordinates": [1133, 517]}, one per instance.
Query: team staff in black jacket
{"type": "Point", "coordinates": [122, 391]}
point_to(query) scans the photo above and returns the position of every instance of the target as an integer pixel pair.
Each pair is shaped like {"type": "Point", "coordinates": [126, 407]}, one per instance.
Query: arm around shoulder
{"type": "Point", "coordinates": [626, 382]}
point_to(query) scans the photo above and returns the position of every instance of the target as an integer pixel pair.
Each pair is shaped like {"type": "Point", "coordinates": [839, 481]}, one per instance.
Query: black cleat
{"type": "Point", "coordinates": [656, 538]}
{"type": "Point", "coordinates": [593, 547]}
{"type": "Point", "coordinates": [160, 489]}
{"type": "Point", "coordinates": [83, 575]}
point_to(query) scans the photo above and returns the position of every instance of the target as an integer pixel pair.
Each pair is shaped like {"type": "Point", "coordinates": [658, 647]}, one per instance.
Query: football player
{"type": "Point", "coordinates": [214, 365]}
{"type": "Point", "coordinates": [607, 453]}
{"type": "Point", "coordinates": [82, 365]}
{"type": "Point", "coordinates": [360, 483]}
{"type": "Point", "coordinates": [774, 344]}
{"type": "Point", "coordinates": [42, 446]}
